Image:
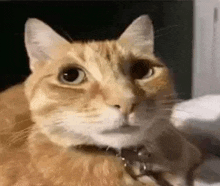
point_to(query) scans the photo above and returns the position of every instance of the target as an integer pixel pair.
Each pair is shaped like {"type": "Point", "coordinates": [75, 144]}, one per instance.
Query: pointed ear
{"type": "Point", "coordinates": [139, 35]}
{"type": "Point", "coordinates": [41, 41]}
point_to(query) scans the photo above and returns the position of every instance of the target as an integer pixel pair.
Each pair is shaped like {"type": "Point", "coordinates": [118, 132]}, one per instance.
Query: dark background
{"type": "Point", "coordinates": [99, 20]}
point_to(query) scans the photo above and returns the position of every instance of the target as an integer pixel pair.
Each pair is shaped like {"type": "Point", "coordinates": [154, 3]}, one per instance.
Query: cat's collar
{"type": "Point", "coordinates": [130, 156]}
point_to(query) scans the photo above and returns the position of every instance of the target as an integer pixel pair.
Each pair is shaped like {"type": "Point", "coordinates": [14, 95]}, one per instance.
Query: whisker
{"type": "Point", "coordinates": [7, 131]}
{"type": "Point", "coordinates": [93, 122]}
{"type": "Point", "coordinates": [16, 136]}
{"type": "Point", "coordinates": [175, 99]}
{"type": "Point", "coordinates": [13, 123]}
{"type": "Point", "coordinates": [67, 34]}
{"type": "Point", "coordinates": [188, 112]}
{"type": "Point", "coordinates": [166, 28]}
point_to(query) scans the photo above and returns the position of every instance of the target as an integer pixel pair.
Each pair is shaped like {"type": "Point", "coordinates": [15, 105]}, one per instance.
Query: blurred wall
{"type": "Point", "coordinates": [206, 61]}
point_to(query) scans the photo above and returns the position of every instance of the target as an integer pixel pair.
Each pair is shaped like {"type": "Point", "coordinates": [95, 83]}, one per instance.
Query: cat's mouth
{"type": "Point", "coordinates": [123, 130]}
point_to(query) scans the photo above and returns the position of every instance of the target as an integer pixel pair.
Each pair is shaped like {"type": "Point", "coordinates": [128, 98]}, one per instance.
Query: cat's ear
{"type": "Point", "coordinates": [41, 41]}
{"type": "Point", "coordinates": [139, 35]}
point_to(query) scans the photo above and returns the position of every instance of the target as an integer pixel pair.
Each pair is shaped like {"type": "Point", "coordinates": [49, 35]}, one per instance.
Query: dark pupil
{"type": "Point", "coordinates": [70, 75]}
{"type": "Point", "coordinates": [139, 70]}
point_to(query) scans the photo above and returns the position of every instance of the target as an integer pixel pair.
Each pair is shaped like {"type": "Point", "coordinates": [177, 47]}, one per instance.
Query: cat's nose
{"type": "Point", "coordinates": [123, 100]}
{"type": "Point", "coordinates": [117, 106]}
{"type": "Point", "coordinates": [125, 108]}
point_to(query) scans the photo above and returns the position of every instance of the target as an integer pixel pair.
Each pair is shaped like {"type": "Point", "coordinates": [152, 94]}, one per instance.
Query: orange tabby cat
{"type": "Point", "coordinates": [107, 93]}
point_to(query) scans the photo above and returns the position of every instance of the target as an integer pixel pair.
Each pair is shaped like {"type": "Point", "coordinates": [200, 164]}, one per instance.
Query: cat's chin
{"type": "Point", "coordinates": [122, 130]}
{"type": "Point", "coordinates": [119, 138]}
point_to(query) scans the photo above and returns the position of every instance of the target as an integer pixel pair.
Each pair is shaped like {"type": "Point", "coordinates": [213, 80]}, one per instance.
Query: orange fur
{"type": "Point", "coordinates": [42, 120]}
{"type": "Point", "coordinates": [40, 162]}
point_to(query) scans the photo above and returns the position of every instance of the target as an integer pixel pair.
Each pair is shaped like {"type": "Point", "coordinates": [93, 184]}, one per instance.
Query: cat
{"type": "Point", "coordinates": [114, 93]}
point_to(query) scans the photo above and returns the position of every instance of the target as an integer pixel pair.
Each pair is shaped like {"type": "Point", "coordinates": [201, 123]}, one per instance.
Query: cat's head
{"type": "Point", "coordinates": [98, 92]}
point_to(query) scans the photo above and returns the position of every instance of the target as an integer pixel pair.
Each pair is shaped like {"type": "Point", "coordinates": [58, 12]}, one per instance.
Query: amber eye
{"type": "Point", "coordinates": [141, 70]}
{"type": "Point", "coordinates": [72, 75]}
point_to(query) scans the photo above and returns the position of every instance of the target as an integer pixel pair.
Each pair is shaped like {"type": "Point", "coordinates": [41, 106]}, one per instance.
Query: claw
{"type": "Point", "coordinates": [144, 155]}
{"type": "Point", "coordinates": [118, 155]}
{"type": "Point", "coordinates": [107, 148]}
{"type": "Point", "coordinates": [144, 167]}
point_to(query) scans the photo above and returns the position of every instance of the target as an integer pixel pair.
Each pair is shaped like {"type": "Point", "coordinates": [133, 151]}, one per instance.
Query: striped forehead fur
{"type": "Point", "coordinates": [106, 50]}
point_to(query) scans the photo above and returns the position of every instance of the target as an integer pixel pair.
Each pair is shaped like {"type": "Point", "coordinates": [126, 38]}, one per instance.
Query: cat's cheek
{"type": "Point", "coordinates": [39, 101]}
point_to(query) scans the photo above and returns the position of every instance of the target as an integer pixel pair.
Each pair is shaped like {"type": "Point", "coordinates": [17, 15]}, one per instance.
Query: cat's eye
{"type": "Point", "coordinates": [72, 75]}
{"type": "Point", "coordinates": [141, 70]}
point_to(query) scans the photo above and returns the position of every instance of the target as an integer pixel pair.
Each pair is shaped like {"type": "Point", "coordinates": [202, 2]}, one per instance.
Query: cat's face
{"type": "Point", "coordinates": [103, 93]}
